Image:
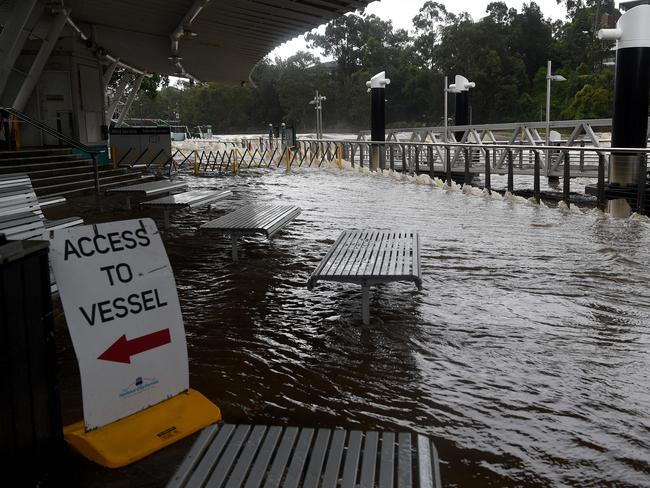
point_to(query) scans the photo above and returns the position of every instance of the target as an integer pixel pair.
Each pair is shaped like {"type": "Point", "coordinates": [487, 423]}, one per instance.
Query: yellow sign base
{"type": "Point", "coordinates": [136, 436]}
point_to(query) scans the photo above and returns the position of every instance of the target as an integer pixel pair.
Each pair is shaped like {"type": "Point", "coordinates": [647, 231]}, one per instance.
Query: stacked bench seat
{"type": "Point", "coordinates": [21, 216]}
{"type": "Point", "coordinates": [149, 189]}
{"type": "Point", "coordinates": [188, 199]}
{"type": "Point", "coordinates": [233, 456]}
{"type": "Point", "coordinates": [371, 257]}
{"type": "Point", "coordinates": [253, 219]}
{"type": "Point", "coordinates": [18, 202]}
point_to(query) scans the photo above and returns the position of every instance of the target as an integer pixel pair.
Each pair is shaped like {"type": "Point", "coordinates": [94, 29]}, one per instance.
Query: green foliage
{"type": "Point", "coordinates": [505, 53]}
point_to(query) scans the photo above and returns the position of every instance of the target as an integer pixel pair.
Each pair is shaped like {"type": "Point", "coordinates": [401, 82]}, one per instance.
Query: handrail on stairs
{"type": "Point", "coordinates": [7, 112]}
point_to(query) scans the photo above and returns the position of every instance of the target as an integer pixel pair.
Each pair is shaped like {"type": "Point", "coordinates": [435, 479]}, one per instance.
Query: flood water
{"type": "Point", "coordinates": [526, 357]}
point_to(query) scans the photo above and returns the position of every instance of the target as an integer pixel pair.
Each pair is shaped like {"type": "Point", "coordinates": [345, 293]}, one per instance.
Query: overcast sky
{"type": "Point", "coordinates": [401, 12]}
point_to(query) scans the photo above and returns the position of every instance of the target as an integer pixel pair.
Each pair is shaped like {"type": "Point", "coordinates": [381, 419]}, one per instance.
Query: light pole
{"type": "Point", "coordinates": [549, 78]}
{"type": "Point", "coordinates": [318, 105]}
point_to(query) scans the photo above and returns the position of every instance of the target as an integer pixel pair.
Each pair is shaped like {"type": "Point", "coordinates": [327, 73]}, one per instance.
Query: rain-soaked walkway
{"type": "Point", "coordinates": [526, 356]}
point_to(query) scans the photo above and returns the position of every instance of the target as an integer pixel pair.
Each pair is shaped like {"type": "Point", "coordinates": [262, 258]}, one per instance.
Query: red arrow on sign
{"type": "Point", "coordinates": [122, 349]}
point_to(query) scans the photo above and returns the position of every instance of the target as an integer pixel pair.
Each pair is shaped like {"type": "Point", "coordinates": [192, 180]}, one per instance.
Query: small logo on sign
{"type": "Point", "coordinates": [138, 386]}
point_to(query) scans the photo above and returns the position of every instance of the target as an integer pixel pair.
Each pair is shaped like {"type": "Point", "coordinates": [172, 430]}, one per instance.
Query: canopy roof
{"type": "Point", "coordinates": [231, 36]}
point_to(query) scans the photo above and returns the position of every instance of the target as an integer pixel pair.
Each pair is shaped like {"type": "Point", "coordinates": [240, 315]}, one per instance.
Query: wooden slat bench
{"type": "Point", "coordinates": [188, 199]}
{"type": "Point", "coordinates": [248, 456]}
{"type": "Point", "coordinates": [253, 219]}
{"type": "Point", "coordinates": [370, 257]}
{"type": "Point", "coordinates": [149, 189]}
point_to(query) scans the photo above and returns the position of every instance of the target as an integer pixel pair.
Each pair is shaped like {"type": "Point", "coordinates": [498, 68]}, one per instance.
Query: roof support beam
{"type": "Point", "coordinates": [108, 74]}
{"type": "Point", "coordinates": [56, 26]}
{"type": "Point", "coordinates": [13, 37]}
{"type": "Point", "coordinates": [117, 96]}
{"type": "Point", "coordinates": [129, 101]}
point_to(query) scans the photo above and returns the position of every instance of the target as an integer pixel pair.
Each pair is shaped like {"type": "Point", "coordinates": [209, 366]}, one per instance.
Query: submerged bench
{"type": "Point", "coordinates": [149, 189]}
{"type": "Point", "coordinates": [188, 199]}
{"type": "Point", "coordinates": [253, 219]}
{"type": "Point", "coordinates": [369, 258]}
{"type": "Point", "coordinates": [234, 456]}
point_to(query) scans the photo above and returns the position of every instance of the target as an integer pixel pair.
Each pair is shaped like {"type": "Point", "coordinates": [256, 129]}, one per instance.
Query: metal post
{"type": "Point", "coordinates": [448, 164]}
{"type": "Point", "coordinates": [548, 117]}
{"type": "Point", "coordinates": [566, 187]}
{"type": "Point", "coordinates": [536, 178]}
{"type": "Point", "coordinates": [467, 178]}
{"type": "Point", "coordinates": [391, 150]}
{"type": "Point", "coordinates": [511, 181]}
{"type": "Point", "coordinates": [600, 194]}
{"type": "Point", "coordinates": [641, 185]}
{"type": "Point", "coordinates": [417, 159]}
{"type": "Point", "coordinates": [95, 172]}
{"type": "Point", "coordinates": [403, 159]}
{"type": "Point", "coordinates": [444, 138]}
{"type": "Point", "coordinates": [430, 157]}
{"type": "Point", "coordinates": [488, 179]}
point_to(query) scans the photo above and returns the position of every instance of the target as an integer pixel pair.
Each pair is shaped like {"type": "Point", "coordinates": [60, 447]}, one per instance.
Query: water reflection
{"type": "Point", "coordinates": [526, 356]}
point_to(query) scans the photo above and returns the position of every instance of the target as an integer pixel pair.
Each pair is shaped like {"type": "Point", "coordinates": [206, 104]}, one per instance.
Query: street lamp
{"type": "Point", "coordinates": [318, 102]}
{"type": "Point", "coordinates": [549, 78]}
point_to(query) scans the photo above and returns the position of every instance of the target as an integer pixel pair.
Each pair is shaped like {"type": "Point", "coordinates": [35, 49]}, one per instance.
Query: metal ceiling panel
{"type": "Point", "coordinates": [232, 35]}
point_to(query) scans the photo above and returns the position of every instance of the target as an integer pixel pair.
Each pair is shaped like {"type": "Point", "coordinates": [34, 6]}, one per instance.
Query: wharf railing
{"type": "Point", "coordinates": [568, 133]}
{"type": "Point", "coordinates": [463, 161]}
{"type": "Point", "coordinates": [460, 162]}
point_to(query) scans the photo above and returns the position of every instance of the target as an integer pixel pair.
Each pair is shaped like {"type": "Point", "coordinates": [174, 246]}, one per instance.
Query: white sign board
{"type": "Point", "coordinates": [120, 302]}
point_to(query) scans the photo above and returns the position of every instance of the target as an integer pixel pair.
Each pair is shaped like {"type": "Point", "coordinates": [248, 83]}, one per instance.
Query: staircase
{"type": "Point", "coordinates": [57, 171]}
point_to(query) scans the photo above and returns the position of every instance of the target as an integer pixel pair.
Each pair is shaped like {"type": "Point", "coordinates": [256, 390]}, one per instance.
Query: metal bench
{"type": "Point", "coordinates": [188, 199]}
{"type": "Point", "coordinates": [150, 189]}
{"type": "Point", "coordinates": [253, 219]}
{"type": "Point", "coordinates": [14, 179]}
{"type": "Point", "coordinates": [17, 196]}
{"type": "Point", "coordinates": [371, 257]}
{"type": "Point", "coordinates": [234, 456]}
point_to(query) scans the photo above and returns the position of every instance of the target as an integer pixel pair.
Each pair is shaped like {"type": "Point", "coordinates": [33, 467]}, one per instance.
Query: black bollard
{"type": "Point", "coordinates": [460, 88]}
{"type": "Point", "coordinates": [631, 97]}
{"type": "Point", "coordinates": [377, 85]}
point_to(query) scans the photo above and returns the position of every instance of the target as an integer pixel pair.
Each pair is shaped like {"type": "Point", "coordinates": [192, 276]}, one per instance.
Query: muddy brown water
{"type": "Point", "coordinates": [526, 357]}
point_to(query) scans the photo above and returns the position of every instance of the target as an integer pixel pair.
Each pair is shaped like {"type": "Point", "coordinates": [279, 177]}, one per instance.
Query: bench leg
{"type": "Point", "coordinates": [166, 219]}
{"type": "Point", "coordinates": [365, 304]}
{"type": "Point", "coordinates": [233, 239]}
{"type": "Point", "coordinates": [128, 202]}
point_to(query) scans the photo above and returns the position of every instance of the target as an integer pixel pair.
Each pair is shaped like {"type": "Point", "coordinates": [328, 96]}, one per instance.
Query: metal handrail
{"type": "Point", "coordinates": [54, 133]}
{"type": "Point", "coordinates": [475, 146]}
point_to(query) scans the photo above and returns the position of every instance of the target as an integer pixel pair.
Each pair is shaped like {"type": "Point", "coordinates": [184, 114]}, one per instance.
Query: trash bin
{"type": "Point", "coordinates": [30, 418]}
